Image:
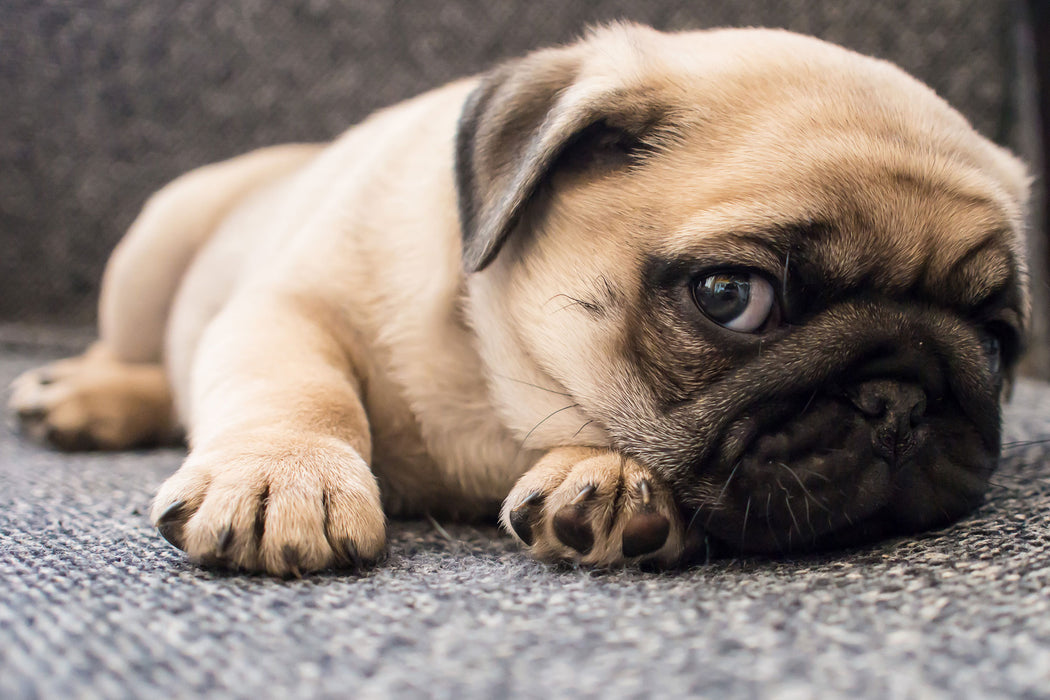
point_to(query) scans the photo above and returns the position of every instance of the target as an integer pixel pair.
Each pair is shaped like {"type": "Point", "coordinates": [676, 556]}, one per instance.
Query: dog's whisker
{"type": "Point", "coordinates": [1023, 443]}
{"type": "Point", "coordinates": [591, 307]}
{"type": "Point", "coordinates": [582, 427]}
{"type": "Point", "coordinates": [809, 402]}
{"type": "Point", "coordinates": [534, 386]}
{"type": "Point", "coordinates": [769, 521]}
{"type": "Point", "coordinates": [803, 486]}
{"type": "Point", "coordinates": [547, 418]}
{"type": "Point", "coordinates": [791, 512]}
{"type": "Point", "coordinates": [845, 514]}
{"type": "Point", "coordinates": [743, 530]}
{"type": "Point", "coordinates": [442, 531]}
{"type": "Point", "coordinates": [696, 513]}
{"type": "Point", "coordinates": [722, 493]}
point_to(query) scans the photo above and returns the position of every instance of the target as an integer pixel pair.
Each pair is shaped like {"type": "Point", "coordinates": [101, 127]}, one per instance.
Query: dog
{"type": "Point", "coordinates": [645, 290]}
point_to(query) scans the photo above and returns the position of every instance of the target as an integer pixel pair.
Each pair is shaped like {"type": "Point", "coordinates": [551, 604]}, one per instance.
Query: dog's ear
{"type": "Point", "coordinates": [528, 117]}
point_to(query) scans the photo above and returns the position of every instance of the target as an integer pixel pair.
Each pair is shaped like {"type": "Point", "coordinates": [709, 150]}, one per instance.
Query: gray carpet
{"type": "Point", "coordinates": [95, 604]}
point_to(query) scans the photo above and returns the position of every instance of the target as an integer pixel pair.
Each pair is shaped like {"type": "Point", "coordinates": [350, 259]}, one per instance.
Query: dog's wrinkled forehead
{"type": "Point", "coordinates": [855, 173]}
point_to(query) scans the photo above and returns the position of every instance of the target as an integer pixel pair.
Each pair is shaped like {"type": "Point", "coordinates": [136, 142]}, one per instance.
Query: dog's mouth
{"type": "Point", "coordinates": [870, 420]}
{"type": "Point", "coordinates": [841, 467]}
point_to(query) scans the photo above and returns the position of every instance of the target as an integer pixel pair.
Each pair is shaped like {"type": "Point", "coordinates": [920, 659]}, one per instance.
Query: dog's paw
{"type": "Point", "coordinates": [284, 505]}
{"type": "Point", "coordinates": [594, 507]}
{"type": "Point", "coordinates": [49, 406]}
{"type": "Point", "coordinates": [93, 402]}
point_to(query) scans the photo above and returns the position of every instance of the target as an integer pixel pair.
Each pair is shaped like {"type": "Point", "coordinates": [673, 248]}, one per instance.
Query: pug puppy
{"type": "Point", "coordinates": [644, 289]}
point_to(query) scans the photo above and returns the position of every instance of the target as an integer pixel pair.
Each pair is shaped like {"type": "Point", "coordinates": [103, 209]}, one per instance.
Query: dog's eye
{"type": "Point", "coordinates": [739, 301]}
{"type": "Point", "coordinates": [993, 350]}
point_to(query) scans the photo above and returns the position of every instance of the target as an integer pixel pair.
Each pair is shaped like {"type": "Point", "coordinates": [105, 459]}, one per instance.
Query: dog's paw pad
{"type": "Point", "coordinates": [645, 533]}
{"type": "Point", "coordinates": [572, 522]}
{"type": "Point", "coordinates": [594, 507]}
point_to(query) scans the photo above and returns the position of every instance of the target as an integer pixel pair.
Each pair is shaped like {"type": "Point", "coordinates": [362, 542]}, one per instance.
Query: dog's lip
{"type": "Point", "coordinates": [858, 532]}
{"type": "Point", "coordinates": [742, 431]}
{"type": "Point", "coordinates": [864, 496]}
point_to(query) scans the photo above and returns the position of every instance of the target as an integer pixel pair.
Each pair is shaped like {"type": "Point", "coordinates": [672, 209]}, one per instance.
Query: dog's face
{"type": "Point", "coordinates": [786, 277]}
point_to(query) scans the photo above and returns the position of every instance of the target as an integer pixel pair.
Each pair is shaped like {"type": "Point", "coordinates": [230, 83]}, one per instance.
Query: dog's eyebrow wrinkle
{"type": "Point", "coordinates": [987, 287]}
{"type": "Point", "coordinates": [767, 248]}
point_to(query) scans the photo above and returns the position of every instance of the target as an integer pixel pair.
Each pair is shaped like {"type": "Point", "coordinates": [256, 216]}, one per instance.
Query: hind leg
{"type": "Point", "coordinates": [116, 395]}
{"type": "Point", "coordinates": [95, 401]}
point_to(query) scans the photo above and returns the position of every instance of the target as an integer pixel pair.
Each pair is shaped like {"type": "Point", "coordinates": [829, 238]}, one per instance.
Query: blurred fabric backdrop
{"type": "Point", "coordinates": [103, 101]}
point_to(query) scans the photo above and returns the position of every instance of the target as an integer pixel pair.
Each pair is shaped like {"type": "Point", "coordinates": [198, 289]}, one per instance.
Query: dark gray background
{"type": "Point", "coordinates": [104, 101]}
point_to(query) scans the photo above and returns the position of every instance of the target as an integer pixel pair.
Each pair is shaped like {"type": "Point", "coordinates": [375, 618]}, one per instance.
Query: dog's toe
{"type": "Point", "coordinates": [526, 516]}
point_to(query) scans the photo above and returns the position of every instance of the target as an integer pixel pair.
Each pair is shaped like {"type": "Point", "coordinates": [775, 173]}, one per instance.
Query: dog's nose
{"type": "Point", "coordinates": [895, 410]}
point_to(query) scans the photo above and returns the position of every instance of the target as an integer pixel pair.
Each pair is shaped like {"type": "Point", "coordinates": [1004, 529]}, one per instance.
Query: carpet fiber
{"type": "Point", "coordinates": [93, 603]}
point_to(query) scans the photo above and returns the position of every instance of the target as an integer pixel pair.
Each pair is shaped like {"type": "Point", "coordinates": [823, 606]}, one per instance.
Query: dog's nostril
{"type": "Point", "coordinates": [895, 410]}
{"type": "Point", "coordinates": [869, 404]}
{"type": "Point", "coordinates": [918, 411]}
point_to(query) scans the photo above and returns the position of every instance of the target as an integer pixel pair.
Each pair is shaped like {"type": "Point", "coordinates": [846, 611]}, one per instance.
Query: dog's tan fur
{"type": "Point", "coordinates": [330, 360]}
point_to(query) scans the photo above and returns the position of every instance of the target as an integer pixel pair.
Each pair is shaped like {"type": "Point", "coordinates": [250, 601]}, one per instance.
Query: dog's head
{"type": "Point", "coordinates": [787, 277]}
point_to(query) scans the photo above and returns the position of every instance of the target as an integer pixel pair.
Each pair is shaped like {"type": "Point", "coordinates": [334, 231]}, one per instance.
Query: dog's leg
{"type": "Point", "coordinates": [116, 395]}
{"type": "Point", "coordinates": [595, 507]}
{"type": "Point", "coordinates": [277, 479]}
{"type": "Point", "coordinates": [95, 401]}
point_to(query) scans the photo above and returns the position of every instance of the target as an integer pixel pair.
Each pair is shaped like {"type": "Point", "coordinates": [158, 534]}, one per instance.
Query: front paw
{"type": "Point", "coordinates": [280, 504]}
{"type": "Point", "coordinates": [594, 507]}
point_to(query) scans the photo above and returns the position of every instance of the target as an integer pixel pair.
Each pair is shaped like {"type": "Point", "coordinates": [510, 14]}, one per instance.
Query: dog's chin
{"type": "Point", "coordinates": [819, 473]}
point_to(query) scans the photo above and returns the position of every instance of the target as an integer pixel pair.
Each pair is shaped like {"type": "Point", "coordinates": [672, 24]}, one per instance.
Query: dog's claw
{"type": "Point", "coordinates": [70, 442]}
{"type": "Point", "coordinates": [644, 533]}
{"type": "Point", "coordinates": [645, 491]}
{"type": "Point", "coordinates": [525, 515]}
{"type": "Point", "coordinates": [571, 524]}
{"type": "Point", "coordinates": [291, 560]}
{"type": "Point", "coordinates": [222, 543]}
{"type": "Point", "coordinates": [585, 493]}
{"type": "Point", "coordinates": [32, 413]}
{"type": "Point", "coordinates": [168, 524]}
{"type": "Point", "coordinates": [350, 549]}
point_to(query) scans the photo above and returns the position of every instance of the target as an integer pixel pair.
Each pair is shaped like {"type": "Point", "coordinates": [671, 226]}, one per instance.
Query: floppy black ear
{"type": "Point", "coordinates": [524, 118]}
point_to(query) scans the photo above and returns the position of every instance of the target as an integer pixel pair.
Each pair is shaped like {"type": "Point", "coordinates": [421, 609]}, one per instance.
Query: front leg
{"type": "Point", "coordinates": [594, 507]}
{"type": "Point", "coordinates": [277, 479]}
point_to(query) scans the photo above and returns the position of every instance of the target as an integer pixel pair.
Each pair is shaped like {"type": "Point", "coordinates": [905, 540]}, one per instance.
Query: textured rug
{"type": "Point", "coordinates": [93, 603]}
